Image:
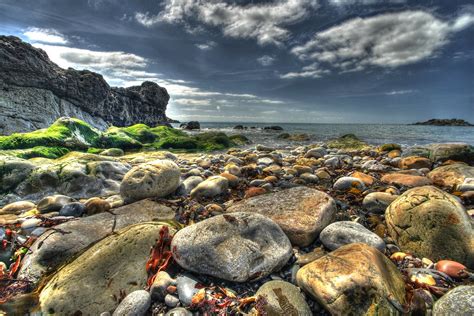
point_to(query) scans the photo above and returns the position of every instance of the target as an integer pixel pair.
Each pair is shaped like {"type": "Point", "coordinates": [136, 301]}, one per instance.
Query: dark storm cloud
{"type": "Point", "coordinates": [272, 60]}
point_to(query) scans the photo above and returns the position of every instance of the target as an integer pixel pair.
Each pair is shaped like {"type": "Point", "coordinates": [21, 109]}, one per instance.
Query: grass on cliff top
{"type": "Point", "coordinates": [348, 142]}
{"type": "Point", "coordinates": [72, 134]}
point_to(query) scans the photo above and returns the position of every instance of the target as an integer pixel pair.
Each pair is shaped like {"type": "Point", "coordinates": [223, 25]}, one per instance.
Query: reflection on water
{"type": "Point", "coordinates": [406, 135]}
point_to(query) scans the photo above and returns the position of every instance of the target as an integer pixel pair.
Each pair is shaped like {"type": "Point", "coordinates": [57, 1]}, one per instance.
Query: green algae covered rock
{"type": "Point", "coordinates": [73, 134]}
{"type": "Point", "coordinates": [347, 142]}
{"type": "Point", "coordinates": [65, 132]}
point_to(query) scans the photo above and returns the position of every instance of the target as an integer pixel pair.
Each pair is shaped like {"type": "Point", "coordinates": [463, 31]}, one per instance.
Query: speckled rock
{"type": "Point", "coordinates": [89, 283]}
{"type": "Point", "coordinates": [282, 299]}
{"type": "Point", "coordinates": [342, 233]}
{"type": "Point", "coordinates": [459, 301]}
{"type": "Point", "coordinates": [354, 279]}
{"type": "Point", "coordinates": [158, 178]}
{"type": "Point", "coordinates": [431, 223]}
{"type": "Point", "coordinates": [135, 303]}
{"type": "Point", "coordinates": [238, 247]}
{"type": "Point", "coordinates": [301, 212]}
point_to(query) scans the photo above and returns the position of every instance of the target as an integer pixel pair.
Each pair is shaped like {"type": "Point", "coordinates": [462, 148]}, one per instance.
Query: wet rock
{"type": "Point", "coordinates": [415, 162]}
{"type": "Point", "coordinates": [210, 187]}
{"type": "Point", "coordinates": [186, 288]}
{"type": "Point", "coordinates": [96, 205]}
{"type": "Point", "coordinates": [89, 283]}
{"type": "Point", "coordinates": [53, 203]}
{"type": "Point", "coordinates": [377, 202]}
{"type": "Point", "coordinates": [17, 207]}
{"type": "Point", "coordinates": [75, 209]}
{"type": "Point", "coordinates": [158, 178]}
{"type": "Point", "coordinates": [405, 179]}
{"type": "Point", "coordinates": [283, 298]}
{"type": "Point", "coordinates": [301, 212]}
{"type": "Point", "coordinates": [359, 280]}
{"type": "Point", "coordinates": [431, 223]}
{"type": "Point", "coordinates": [454, 151]}
{"type": "Point", "coordinates": [191, 125]}
{"type": "Point", "coordinates": [238, 247]}
{"type": "Point", "coordinates": [348, 183]}
{"type": "Point", "coordinates": [55, 247]}
{"type": "Point", "coordinates": [135, 303]}
{"type": "Point", "coordinates": [458, 301]}
{"type": "Point", "coordinates": [342, 233]}
{"type": "Point", "coordinates": [451, 175]}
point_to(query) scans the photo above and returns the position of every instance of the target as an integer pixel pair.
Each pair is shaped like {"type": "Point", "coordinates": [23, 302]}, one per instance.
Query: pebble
{"type": "Point", "coordinates": [210, 187]}
{"type": "Point", "coordinates": [160, 284]}
{"type": "Point", "coordinates": [377, 202]}
{"type": "Point", "coordinates": [136, 303]}
{"type": "Point", "coordinates": [342, 233]}
{"type": "Point", "coordinates": [171, 300]}
{"type": "Point", "coordinates": [179, 311]}
{"type": "Point", "coordinates": [53, 203]}
{"type": "Point", "coordinates": [186, 285]}
{"type": "Point", "coordinates": [283, 298]}
{"type": "Point", "coordinates": [29, 225]}
{"type": "Point", "coordinates": [348, 183]}
{"type": "Point", "coordinates": [191, 182]}
{"type": "Point", "coordinates": [75, 209]}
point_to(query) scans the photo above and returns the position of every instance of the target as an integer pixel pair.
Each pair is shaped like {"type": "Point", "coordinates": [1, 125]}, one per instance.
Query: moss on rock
{"type": "Point", "coordinates": [348, 142]}
{"type": "Point", "coordinates": [38, 151]}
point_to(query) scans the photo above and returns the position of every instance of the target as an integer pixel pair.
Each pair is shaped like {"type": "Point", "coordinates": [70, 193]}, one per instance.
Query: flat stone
{"type": "Point", "coordinates": [237, 247]}
{"type": "Point", "coordinates": [342, 233]}
{"type": "Point", "coordinates": [451, 175]}
{"type": "Point", "coordinates": [301, 212]}
{"type": "Point", "coordinates": [89, 284]}
{"type": "Point", "coordinates": [55, 247]}
{"type": "Point", "coordinates": [354, 279]}
{"type": "Point", "coordinates": [405, 179]}
{"type": "Point", "coordinates": [431, 223]}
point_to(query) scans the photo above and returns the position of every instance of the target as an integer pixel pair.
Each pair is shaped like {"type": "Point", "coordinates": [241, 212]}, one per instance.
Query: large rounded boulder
{"type": "Point", "coordinates": [237, 247]}
{"type": "Point", "coordinates": [431, 223]}
{"type": "Point", "coordinates": [157, 178]}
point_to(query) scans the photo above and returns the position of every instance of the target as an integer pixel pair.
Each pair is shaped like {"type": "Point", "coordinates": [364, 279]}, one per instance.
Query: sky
{"type": "Point", "coordinates": [305, 61]}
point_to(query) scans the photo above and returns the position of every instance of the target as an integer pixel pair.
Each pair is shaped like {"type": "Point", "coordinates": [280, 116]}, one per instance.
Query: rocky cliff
{"type": "Point", "coordinates": [34, 92]}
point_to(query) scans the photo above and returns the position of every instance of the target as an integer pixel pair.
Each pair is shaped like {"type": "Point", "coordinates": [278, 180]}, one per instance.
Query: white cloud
{"type": "Point", "coordinates": [51, 36]}
{"type": "Point", "coordinates": [386, 40]}
{"type": "Point", "coordinates": [264, 22]}
{"type": "Point", "coordinates": [399, 92]}
{"type": "Point", "coordinates": [363, 2]}
{"type": "Point", "coordinates": [266, 60]}
{"type": "Point", "coordinates": [311, 71]}
{"type": "Point", "coordinates": [206, 46]}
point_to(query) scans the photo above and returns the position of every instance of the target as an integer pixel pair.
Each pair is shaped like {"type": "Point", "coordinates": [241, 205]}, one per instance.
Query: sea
{"type": "Point", "coordinates": [375, 134]}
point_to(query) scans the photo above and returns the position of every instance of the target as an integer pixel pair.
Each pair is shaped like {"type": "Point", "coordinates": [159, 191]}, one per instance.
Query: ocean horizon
{"type": "Point", "coordinates": [376, 134]}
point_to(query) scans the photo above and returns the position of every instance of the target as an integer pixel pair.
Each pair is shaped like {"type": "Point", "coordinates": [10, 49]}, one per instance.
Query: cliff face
{"type": "Point", "coordinates": [34, 92]}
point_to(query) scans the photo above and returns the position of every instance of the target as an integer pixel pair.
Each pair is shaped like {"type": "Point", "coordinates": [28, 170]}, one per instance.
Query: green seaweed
{"type": "Point", "coordinates": [348, 142]}
{"type": "Point", "coordinates": [239, 139]}
{"type": "Point", "coordinates": [140, 132]}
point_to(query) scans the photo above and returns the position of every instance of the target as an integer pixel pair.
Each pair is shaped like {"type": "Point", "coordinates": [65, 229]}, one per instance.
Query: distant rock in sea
{"type": "Point", "coordinates": [444, 122]}
{"type": "Point", "coordinates": [34, 92]}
